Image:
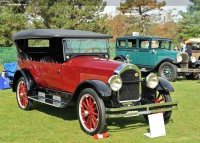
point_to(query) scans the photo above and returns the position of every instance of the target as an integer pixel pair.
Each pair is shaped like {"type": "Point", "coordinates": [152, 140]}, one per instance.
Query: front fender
{"type": "Point", "coordinates": [165, 60]}
{"type": "Point", "coordinates": [27, 76]}
{"type": "Point", "coordinates": [197, 63]}
{"type": "Point", "coordinates": [102, 89]}
{"type": "Point", "coordinates": [120, 57]}
{"type": "Point", "coordinates": [164, 85]}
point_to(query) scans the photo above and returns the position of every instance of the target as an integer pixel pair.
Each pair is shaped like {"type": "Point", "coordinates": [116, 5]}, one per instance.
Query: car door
{"type": "Point", "coordinates": [131, 49]}
{"type": "Point", "coordinates": [52, 75]}
{"type": "Point", "coordinates": [146, 56]}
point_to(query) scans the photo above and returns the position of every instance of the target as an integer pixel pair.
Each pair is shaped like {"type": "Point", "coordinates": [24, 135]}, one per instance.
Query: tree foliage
{"type": "Point", "coordinates": [16, 15]}
{"type": "Point", "coordinates": [67, 14]}
{"type": "Point", "coordinates": [142, 10]}
{"type": "Point", "coordinates": [10, 23]}
{"type": "Point", "coordinates": [190, 26]}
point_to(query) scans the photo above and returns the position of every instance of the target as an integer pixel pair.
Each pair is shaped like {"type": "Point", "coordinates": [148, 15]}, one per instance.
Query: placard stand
{"type": "Point", "coordinates": [157, 125]}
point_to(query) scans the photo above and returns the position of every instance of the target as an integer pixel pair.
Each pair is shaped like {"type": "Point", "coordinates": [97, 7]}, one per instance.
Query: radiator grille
{"type": "Point", "coordinates": [184, 62]}
{"type": "Point", "coordinates": [131, 86]}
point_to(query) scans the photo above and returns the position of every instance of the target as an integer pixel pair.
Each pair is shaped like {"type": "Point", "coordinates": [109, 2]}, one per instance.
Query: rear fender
{"type": "Point", "coordinates": [27, 76]}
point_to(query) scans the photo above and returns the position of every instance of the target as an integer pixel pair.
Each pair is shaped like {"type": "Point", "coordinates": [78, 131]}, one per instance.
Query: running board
{"type": "Point", "coordinates": [52, 100]}
{"type": "Point", "coordinates": [47, 103]}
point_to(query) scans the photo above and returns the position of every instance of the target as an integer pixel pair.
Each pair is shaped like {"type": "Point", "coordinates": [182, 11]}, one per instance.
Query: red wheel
{"type": "Point", "coordinates": [162, 97]}
{"type": "Point", "coordinates": [91, 112]}
{"type": "Point", "coordinates": [21, 95]}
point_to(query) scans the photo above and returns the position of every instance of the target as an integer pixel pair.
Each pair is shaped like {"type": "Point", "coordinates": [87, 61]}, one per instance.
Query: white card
{"type": "Point", "coordinates": [157, 125]}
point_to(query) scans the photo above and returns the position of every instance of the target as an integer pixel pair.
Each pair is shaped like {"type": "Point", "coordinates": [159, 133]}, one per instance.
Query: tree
{"type": "Point", "coordinates": [164, 26]}
{"type": "Point", "coordinates": [190, 26]}
{"type": "Point", "coordinates": [141, 9]}
{"type": "Point", "coordinates": [10, 23]}
{"type": "Point", "coordinates": [67, 14]}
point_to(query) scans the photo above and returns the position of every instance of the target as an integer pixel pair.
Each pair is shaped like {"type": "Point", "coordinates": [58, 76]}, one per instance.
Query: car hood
{"type": "Point", "coordinates": [163, 54]}
{"type": "Point", "coordinates": [94, 62]}
{"type": "Point", "coordinates": [166, 52]}
{"type": "Point", "coordinates": [92, 67]}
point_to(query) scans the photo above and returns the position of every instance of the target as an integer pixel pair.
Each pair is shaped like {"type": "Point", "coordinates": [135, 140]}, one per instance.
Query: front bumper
{"type": "Point", "coordinates": [188, 70]}
{"type": "Point", "coordinates": [140, 110]}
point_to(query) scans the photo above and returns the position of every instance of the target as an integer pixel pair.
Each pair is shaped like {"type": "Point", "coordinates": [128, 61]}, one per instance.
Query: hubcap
{"type": "Point", "coordinates": [22, 94]}
{"type": "Point", "coordinates": [168, 71]}
{"type": "Point", "coordinates": [88, 112]}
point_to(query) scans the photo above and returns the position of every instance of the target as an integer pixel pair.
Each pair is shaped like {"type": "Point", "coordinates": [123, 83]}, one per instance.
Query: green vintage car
{"type": "Point", "coordinates": [153, 54]}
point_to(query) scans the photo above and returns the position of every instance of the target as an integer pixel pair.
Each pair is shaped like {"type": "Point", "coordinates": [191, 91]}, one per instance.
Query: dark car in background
{"type": "Point", "coordinates": [153, 54]}
{"type": "Point", "coordinates": [62, 68]}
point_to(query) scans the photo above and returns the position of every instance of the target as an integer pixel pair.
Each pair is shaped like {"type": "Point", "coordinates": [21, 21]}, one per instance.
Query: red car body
{"type": "Point", "coordinates": [60, 77]}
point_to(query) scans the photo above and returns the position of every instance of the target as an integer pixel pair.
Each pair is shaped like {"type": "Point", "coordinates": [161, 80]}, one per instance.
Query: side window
{"type": "Point", "coordinates": [195, 46]}
{"type": "Point", "coordinates": [34, 43]}
{"type": "Point", "coordinates": [132, 43]}
{"type": "Point", "coordinates": [144, 44]}
{"type": "Point", "coordinates": [121, 43]}
{"type": "Point", "coordinates": [154, 44]}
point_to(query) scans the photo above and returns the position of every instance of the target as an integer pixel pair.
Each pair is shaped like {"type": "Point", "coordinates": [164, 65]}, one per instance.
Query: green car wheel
{"type": "Point", "coordinates": [168, 71]}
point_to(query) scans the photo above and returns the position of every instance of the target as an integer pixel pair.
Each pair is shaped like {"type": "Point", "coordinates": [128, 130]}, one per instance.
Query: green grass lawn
{"type": "Point", "coordinates": [49, 124]}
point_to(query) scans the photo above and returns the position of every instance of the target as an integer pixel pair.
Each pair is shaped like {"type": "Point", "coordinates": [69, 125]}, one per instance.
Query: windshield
{"type": "Point", "coordinates": [86, 46]}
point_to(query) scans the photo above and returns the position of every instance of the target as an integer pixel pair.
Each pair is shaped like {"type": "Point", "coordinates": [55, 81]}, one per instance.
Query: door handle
{"type": "Point", "coordinates": [58, 71]}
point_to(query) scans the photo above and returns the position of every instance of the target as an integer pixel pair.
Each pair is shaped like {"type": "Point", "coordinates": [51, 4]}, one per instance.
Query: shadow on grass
{"type": "Point", "coordinates": [129, 123]}
{"type": "Point", "coordinates": [68, 113]}
{"type": "Point", "coordinates": [113, 125]}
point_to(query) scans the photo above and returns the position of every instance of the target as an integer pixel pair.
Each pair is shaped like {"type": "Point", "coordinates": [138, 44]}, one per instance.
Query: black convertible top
{"type": "Point", "coordinates": [62, 33]}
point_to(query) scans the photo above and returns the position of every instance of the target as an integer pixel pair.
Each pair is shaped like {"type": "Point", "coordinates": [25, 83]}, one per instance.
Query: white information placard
{"type": "Point", "coordinates": [157, 125]}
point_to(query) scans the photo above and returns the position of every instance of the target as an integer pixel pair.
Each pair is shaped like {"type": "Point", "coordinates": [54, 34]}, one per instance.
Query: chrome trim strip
{"type": "Point", "coordinates": [46, 102]}
{"type": "Point", "coordinates": [120, 69]}
{"type": "Point", "coordinates": [187, 70]}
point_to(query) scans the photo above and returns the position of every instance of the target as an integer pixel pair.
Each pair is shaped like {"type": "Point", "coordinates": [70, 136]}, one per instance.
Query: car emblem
{"type": "Point", "coordinates": [128, 59]}
{"type": "Point", "coordinates": [136, 74]}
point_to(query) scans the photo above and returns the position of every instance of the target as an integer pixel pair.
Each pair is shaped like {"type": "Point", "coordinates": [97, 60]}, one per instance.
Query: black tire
{"type": "Point", "coordinates": [162, 97]}
{"type": "Point", "coordinates": [168, 71]}
{"type": "Point", "coordinates": [22, 95]}
{"type": "Point", "coordinates": [91, 109]}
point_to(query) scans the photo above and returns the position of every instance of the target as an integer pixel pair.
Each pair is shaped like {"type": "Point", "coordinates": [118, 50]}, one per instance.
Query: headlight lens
{"type": "Point", "coordinates": [152, 80]}
{"type": "Point", "coordinates": [115, 82]}
{"type": "Point", "coordinates": [179, 58]}
{"type": "Point", "coordinates": [193, 59]}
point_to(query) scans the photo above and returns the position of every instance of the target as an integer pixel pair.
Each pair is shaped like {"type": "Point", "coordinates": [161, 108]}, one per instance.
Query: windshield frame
{"type": "Point", "coordinates": [68, 56]}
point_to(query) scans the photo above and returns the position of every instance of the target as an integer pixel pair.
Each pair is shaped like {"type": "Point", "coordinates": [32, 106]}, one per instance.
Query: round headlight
{"type": "Point", "coordinates": [152, 80]}
{"type": "Point", "coordinates": [193, 59]}
{"type": "Point", "coordinates": [115, 82]}
{"type": "Point", "coordinates": [179, 58]}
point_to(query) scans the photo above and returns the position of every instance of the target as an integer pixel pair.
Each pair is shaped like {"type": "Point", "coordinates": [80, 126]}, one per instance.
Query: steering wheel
{"type": "Point", "coordinates": [92, 49]}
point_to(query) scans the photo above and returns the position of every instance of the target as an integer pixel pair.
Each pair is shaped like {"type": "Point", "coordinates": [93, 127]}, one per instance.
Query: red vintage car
{"type": "Point", "coordinates": [72, 67]}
